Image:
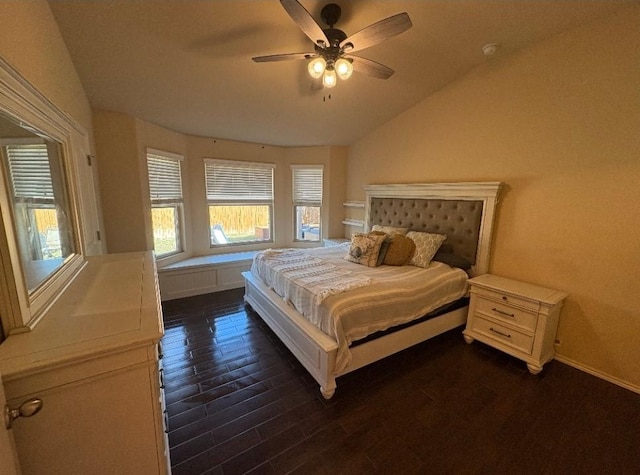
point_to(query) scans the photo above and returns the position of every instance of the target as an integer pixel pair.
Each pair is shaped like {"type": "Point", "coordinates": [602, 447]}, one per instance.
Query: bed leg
{"type": "Point", "coordinates": [329, 390]}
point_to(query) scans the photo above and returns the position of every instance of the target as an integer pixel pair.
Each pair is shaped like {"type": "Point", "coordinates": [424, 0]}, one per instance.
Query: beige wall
{"type": "Point", "coordinates": [31, 42]}
{"type": "Point", "coordinates": [121, 144]}
{"type": "Point", "coordinates": [336, 180]}
{"type": "Point", "coordinates": [560, 125]}
{"type": "Point", "coordinates": [120, 182]}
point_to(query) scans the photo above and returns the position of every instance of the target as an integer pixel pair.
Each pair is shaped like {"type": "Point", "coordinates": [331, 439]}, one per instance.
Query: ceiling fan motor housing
{"type": "Point", "coordinates": [330, 14]}
{"type": "Point", "coordinates": [332, 51]}
{"type": "Point", "coordinates": [333, 48]}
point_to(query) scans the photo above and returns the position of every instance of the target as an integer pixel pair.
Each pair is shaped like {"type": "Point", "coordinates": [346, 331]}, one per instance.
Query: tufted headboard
{"type": "Point", "coordinates": [463, 211]}
{"type": "Point", "coordinates": [458, 219]}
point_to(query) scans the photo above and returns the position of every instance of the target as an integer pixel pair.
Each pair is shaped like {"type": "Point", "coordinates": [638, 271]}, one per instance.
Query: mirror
{"type": "Point", "coordinates": [35, 187]}
{"type": "Point", "coordinates": [43, 232]}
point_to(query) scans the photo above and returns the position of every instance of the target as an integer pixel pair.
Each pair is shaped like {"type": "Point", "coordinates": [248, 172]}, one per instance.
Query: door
{"type": "Point", "coordinates": [8, 456]}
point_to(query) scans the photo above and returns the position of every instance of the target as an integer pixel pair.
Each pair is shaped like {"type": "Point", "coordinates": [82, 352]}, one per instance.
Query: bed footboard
{"type": "Point", "coordinates": [317, 351]}
{"type": "Point", "coordinates": [314, 349]}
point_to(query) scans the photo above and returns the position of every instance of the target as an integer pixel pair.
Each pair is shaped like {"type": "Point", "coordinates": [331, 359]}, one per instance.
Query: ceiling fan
{"type": "Point", "coordinates": [333, 58]}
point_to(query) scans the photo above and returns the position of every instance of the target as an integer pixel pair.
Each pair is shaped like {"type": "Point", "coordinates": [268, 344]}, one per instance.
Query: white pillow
{"type": "Point", "coordinates": [427, 244]}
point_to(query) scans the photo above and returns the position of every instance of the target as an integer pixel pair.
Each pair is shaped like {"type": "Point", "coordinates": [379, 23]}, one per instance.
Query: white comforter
{"type": "Point", "coordinates": [349, 301]}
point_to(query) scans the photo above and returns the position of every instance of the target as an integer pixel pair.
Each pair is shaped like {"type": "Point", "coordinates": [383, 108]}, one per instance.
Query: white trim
{"type": "Point", "coordinates": [354, 222]}
{"type": "Point", "coordinates": [598, 374]}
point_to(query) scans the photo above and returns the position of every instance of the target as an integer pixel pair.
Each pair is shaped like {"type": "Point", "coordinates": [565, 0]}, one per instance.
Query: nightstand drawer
{"type": "Point", "coordinates": [506, 313]}
{"type": "Point", "coordinates": [534, 306]}
{"type": "Point", "coordinates": [503, 334]}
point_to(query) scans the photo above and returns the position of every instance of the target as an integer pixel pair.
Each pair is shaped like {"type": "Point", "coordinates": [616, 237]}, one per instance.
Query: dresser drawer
{"type": "Point", "coordinates": [512, 315]}
{"type": "Point", "coordinates": [503, 334]}
{"type": "Point", "coordinates": [507, 299]}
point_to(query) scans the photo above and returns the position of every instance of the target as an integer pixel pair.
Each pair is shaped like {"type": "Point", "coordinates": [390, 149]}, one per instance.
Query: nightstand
{"type": "Point", "coordinates": [518, 318]}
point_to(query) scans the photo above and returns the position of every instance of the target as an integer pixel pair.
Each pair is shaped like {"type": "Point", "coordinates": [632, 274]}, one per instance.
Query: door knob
{"type": "Point", "coordinates": [27, 409]}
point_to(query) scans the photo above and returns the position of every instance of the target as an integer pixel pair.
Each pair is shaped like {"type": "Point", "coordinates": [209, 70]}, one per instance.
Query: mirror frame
{"type": "Point", "coordinates": [22, 103]}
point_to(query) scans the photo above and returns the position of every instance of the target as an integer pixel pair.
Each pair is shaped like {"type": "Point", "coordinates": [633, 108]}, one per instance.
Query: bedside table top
{"type": "Point", "coordinates": [515, 287]}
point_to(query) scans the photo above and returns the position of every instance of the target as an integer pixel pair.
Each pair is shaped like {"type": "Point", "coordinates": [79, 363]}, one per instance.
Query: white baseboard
{"type": "Point", "coordinates": [598, 374]}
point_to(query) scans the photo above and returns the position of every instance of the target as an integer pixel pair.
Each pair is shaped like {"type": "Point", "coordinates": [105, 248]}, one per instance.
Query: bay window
{"type": "Point", "coordinates": [240, 201]}
{"type": "Point", "coordinates": [307, 201]}
{"type": "Point", "coordinates": [165, 189]}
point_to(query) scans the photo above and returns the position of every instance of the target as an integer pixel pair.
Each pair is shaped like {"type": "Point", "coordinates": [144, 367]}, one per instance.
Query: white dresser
{"type": "Point", "coordinates": [518, 318]}
{"type": "Point", "coordinates": [94, 362]}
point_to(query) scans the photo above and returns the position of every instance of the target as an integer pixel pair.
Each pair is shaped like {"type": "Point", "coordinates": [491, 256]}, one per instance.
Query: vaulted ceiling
{"type": "Point", "coordinates": [186, 65]}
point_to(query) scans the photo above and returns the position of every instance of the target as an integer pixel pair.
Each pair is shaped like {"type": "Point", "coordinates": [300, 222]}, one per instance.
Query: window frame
{"type": "Point", "coordinates": [264, 194]}
{"type": "Point", "coordinates": [173, 196]}
{"type": "Point", "coordinates": [309, 198]}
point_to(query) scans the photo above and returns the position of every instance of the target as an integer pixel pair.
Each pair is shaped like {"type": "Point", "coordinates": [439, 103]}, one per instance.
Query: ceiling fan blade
{"type": "Point", "coordinates": [306, 22]}
{"type": "Point", "coordinates": [282, 57]}
{"type": "Point", "coordinates": [376, 33]}
{"type": "Point", "coordinates": [371, 68]}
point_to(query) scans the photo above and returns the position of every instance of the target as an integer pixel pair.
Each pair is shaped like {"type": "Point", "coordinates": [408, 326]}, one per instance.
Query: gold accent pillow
{"type": "Point", "coordinates": [427, 244]}
{"type": "Point", "coordinates": [365, 248]}
{"type": "Point", "coordinates": [400, 251]}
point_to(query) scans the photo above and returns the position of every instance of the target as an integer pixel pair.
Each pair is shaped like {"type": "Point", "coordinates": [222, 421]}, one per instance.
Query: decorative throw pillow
{"type": "Point", "coordinates": [365, 248]}
{"type": "Point", "coordinates": [400, 251]}
{"type": "Point", "coordinates": [427, 244]}
{"type": "Point", "coordinates": [383, 247]}
{"type": "Point", "coordinates": [390, 230]}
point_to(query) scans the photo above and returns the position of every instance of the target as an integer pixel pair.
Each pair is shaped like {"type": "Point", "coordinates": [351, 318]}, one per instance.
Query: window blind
{"type": "Point", "coordinates": [30, 171]}
{"type": "Point", "coordinates": [165, 180]}
{"type": "Point", "coordinates": [230, 181]}
{"type": "Point", "coordinates": [307, 185]}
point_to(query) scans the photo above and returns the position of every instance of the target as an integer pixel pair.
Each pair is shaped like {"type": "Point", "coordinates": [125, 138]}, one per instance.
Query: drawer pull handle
{"type": "Point", "coordinates": [502, 312]}
{"type": "Point", "coordinates": [27, 409]}
{"type": "Point", "coordinates": [500, 333]}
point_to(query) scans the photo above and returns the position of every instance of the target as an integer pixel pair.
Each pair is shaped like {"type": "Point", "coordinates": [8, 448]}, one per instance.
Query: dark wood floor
{"type": "Point", "coordinates": [239, 402]}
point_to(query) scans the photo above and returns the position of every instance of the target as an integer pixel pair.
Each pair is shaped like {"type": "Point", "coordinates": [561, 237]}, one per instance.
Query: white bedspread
{"type": "Point", "coordinates": [304, 280]}
{"type": "Point", "coordinates": [349, 301]}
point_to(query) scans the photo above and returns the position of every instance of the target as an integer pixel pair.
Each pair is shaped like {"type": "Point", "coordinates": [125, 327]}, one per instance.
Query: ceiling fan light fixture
{"type": "Point", "coordinates": [344, 68]}
{"type": "Point", "coordinates": [331, 45]}
{"type": "Point", "coordinates": [317, 67]}
{"type": "Point", "coordinates": [329, 78]}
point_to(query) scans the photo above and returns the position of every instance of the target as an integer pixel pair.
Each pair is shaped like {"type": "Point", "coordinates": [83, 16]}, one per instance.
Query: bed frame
{"type": "Point", "coordinates": [463, 211]}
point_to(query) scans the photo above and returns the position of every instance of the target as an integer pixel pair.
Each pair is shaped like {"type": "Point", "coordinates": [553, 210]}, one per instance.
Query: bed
{"type": "Point", "coordinates": [464, 212]}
